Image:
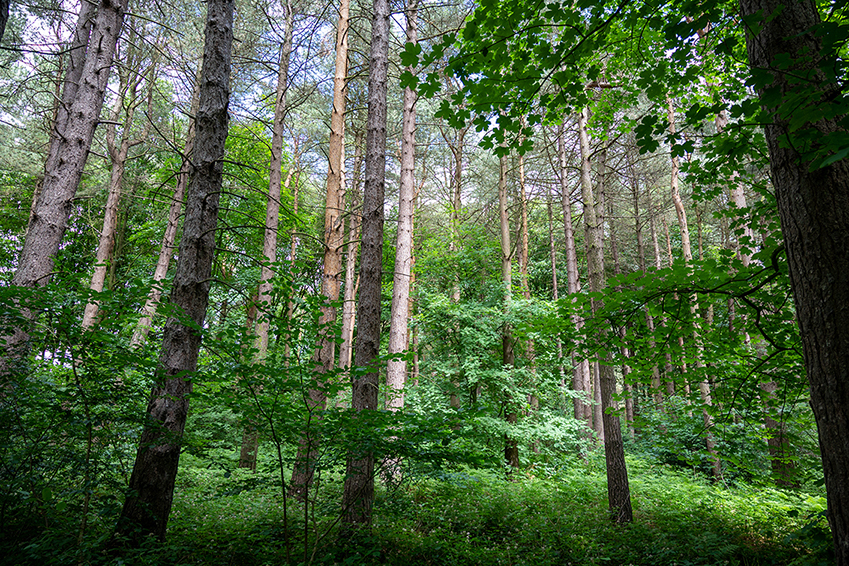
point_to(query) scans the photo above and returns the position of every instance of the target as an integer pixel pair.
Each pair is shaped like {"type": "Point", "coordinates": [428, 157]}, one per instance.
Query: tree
{"type": "Point", "coordinates": [358, 496]}
{"type": "Point", "coordinates": [396, 370]}
{"type": "Point", "coordinates": [618, 491]}
{"type": "Point", "coordinates": [151, 487]}
{"type": "Point", "coordinates": [334, 232]}
{"type": "Point", "coordinates": [785, 50]}
{"type": "Point", "coordinates": [93, 47]}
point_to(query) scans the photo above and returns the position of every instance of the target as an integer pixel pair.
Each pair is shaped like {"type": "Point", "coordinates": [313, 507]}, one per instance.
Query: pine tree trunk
{"type": "Point", "coordinates": [511, 414]}
{"type": "Point", "coordinates": [396, 370]}
{"type": "Point", "coordinates": [351, 282]}
{"type": "Point", "coordinates": [704, 385]}
{"type": "Point", "coordinates": [618, 491]}
{"type": "Point", "coordinates": [169, 237]}
{"type": "Point", "coordinates": [90, 62]}
{"type": "Point", "coordinates": [118, 154]}
{"type": "Point", "coordinates": [303, 469]}
{"type": "Point", "coordinates": [814, 209]}
{"type": "Point", "coordinates": [151, 488]}
{"type": "Point", "coordinates": [581, 368]}
{"type": "Point", "coordinates": [358, 495]}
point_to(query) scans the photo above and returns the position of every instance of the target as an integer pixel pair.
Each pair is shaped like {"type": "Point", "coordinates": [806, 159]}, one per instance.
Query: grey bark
{"type": "Point", "coordinates": [358, 494]}
{"type": "Point", "coordinates": [618, 491]}
{"type": "Point", "coordinates": [814, 209]}
{"type": "Point", "coordinates": [151, 488]}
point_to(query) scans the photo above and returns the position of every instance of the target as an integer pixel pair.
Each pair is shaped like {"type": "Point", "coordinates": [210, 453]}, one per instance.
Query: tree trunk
{"type": "Point", "coordinates": [334, 234]}
{"type": "Point", "coordinates": [118, 154]}
{"type": "Point", "coordinates": [151, 488]}
{"type": "Point", "coordinates": [813, 204]}
{"type": "Point", "coordinates": [511, 415]}
{"type": "Point", "coordinates": [396, 370]}
{"type": "Point", "coordinates": [358, 495]}
{"type": "Point", "coordinates": [92, 50]}
{"type": "Point", "coordinates": [250, 438]}
{"type": "Point", "coordinates": [704, 385]}
{"type": "Point", "coordinates": [351, 282]}
{"type": "Point", "coordinates": [581, 368]}
{"type": "Point", "coordinates": [618, 491]}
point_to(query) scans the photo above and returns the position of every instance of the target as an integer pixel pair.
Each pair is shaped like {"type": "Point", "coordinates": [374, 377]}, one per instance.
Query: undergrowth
{"type": "Point", "coordinates": [542, 517]}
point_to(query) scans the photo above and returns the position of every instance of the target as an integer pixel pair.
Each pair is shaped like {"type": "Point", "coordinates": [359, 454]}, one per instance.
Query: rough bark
{"type": "Point", "coordinates": [151, 488]}
{"type": "Point", "coordinates": [396, 370]}
{"type": "Point", "coordinates": [813, 206]}
{"type": "Point", "coordinates": [334, 232]}
{"type": "Point", "coordinates": [618, 491]}
{"type": "Point", "coordinates": [358, 495]}
{"type": "Point", "coordinates": [92, 50]}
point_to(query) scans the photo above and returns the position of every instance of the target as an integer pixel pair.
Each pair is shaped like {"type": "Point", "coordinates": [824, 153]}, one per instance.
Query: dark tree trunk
{"type": "Point", "coordinates": [358, 496]}
{"type": "Point", "coordinates": [814, 209]}
{"type": "Point", "coordinates": [151, 489]}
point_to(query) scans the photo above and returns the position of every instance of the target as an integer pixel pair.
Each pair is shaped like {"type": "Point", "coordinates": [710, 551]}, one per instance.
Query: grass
{"type": "Point", "coordinates": [478, 518]}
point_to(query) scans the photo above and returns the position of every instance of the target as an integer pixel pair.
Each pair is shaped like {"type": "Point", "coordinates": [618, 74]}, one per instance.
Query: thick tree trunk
{"type": "Point", "coordinates": [151, 488]}
{"type": "Point", "coordinates": [814, 209]}
{"type": "Point", "coordinates": [618, 491]}
{"type": "Point", "coordinates": [90, 61]}
{"type": "Point", "coordinates": [358, 495]}
{"type": "Point", "coordinates": [334, 233]}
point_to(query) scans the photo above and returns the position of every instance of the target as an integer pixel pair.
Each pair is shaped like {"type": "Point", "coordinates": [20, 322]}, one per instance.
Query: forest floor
{"type": "Point", "coordinates": [543, 516]}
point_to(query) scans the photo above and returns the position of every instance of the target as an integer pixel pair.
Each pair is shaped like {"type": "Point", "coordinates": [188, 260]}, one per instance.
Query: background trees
{"type": "Point", "coordinates": [668, 317]}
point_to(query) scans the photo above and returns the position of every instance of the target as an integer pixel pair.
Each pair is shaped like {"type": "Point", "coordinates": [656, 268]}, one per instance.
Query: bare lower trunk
{"type": "Point", "coordinates": [813, 204]}
{"type": "Point", "coordinates": [351, 281]}
{"type": "Point", "coordinates": [358, 495]}
{"type": "Point", "coordinates": [151, 487]}
{"type": "Point", "coordinates": [580, 372]}
{"type": "Point", "coordinates": [118, 154]}
{"type": "Point", "coordinates": [334, 232]}
{"type": "Point", "coordinates": [396, 370]}
{"type": "Point", "coordinates": [511, 415]}
{"type": "Point", "coordinates": [704, 385]}
{"type": "Point", "coordinates": [619, 495]}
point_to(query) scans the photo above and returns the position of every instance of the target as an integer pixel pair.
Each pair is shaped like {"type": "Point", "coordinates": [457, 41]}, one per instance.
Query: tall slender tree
{"type": "Point", "coordinates": [358, 495]}
{"type": "Point", "coordinates": [618, 491]}
{"type": "Point", "coordinates": [334, 234]}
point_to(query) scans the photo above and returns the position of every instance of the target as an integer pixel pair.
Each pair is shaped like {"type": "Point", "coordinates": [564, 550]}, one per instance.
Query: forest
{"type": "Point", "coordinates": [494, 282]}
